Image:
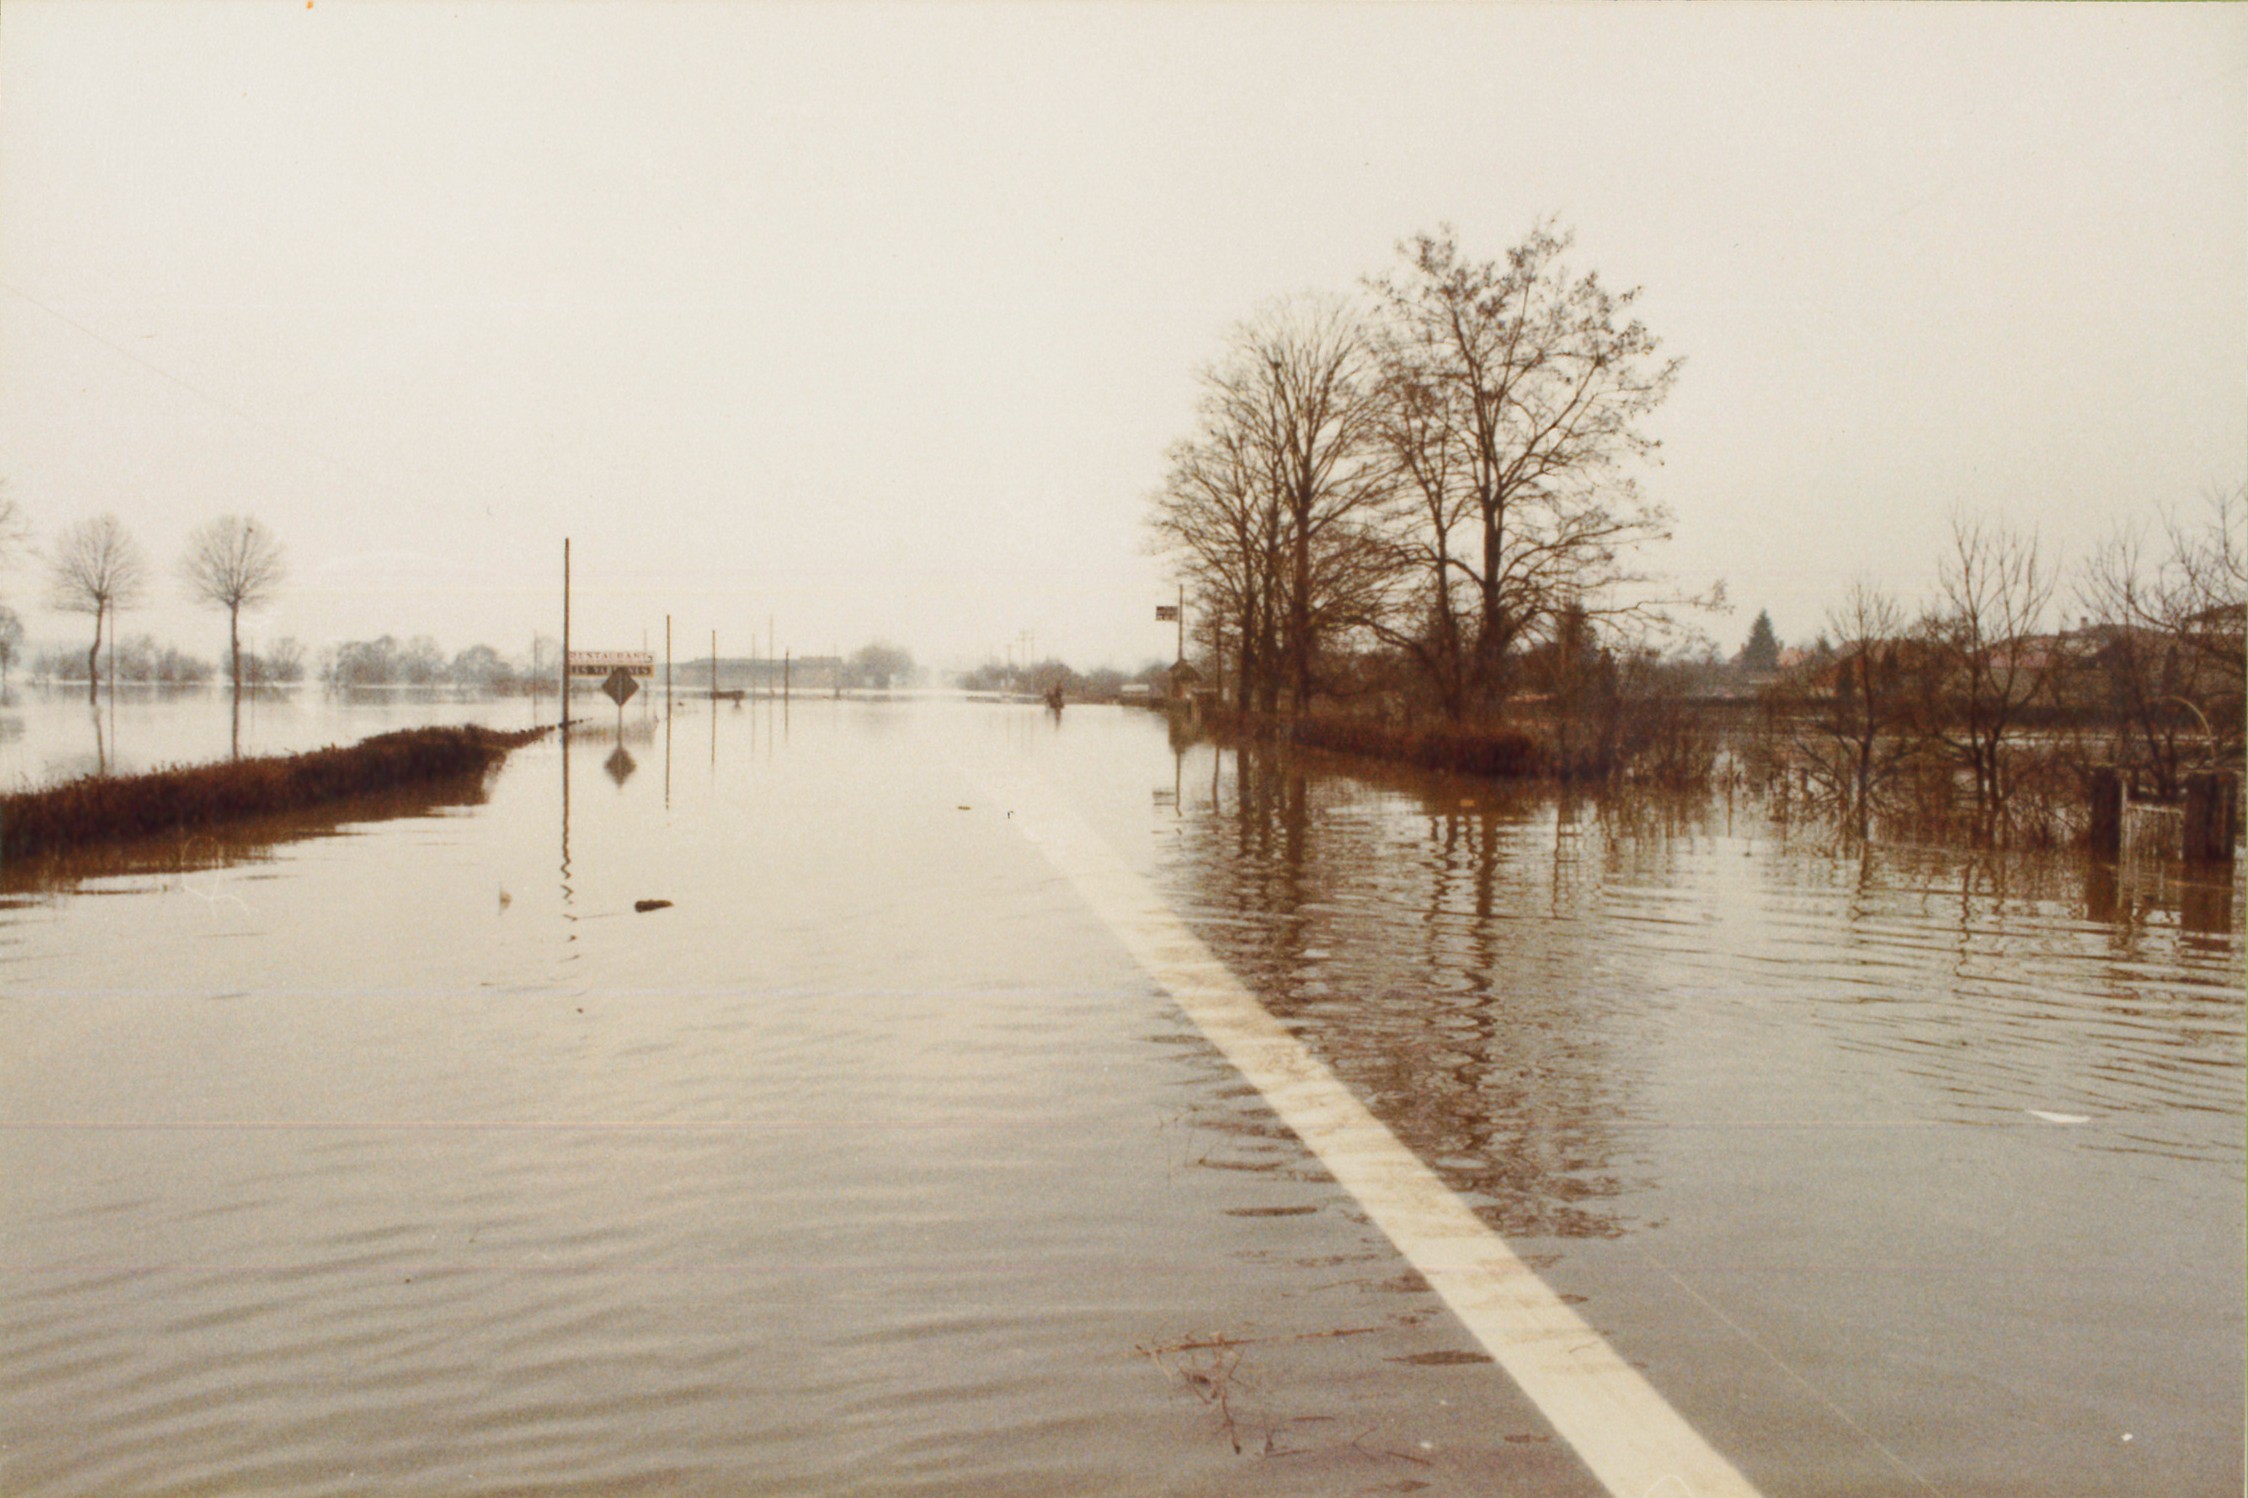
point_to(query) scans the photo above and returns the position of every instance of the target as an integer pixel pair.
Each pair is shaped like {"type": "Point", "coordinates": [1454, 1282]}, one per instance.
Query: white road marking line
{"type": "Point", "coordinates": [1630, 1437]}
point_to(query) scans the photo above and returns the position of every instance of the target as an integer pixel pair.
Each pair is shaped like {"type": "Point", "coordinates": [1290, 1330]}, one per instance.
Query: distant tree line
{"type": "Point", "coordinates": [420, 662]}
{"type": "Point", "coordinates": [879, 666]}
{"type": "Point", "coordinates": [1039, 678]}
{"type": "Point", "coordinates": [142, 659]}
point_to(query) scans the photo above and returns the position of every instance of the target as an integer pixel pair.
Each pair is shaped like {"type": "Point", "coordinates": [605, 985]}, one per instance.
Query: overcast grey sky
{"type": "Point", "coordinates": [878, 318]}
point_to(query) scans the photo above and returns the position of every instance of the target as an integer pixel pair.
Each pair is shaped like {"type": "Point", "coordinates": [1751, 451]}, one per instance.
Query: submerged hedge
{"type": "Point", "coordinates": [108, 809]}
{"type": "Point", "coordinates": [1496, 750]}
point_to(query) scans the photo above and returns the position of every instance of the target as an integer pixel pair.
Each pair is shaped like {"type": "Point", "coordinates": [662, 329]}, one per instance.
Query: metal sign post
{"type": "Point", "coordinates": [1166, 613]}
{"type": "Point", "coordinates": [620, 685]}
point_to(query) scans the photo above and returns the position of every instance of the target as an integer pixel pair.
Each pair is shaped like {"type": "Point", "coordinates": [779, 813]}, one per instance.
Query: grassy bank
{"type": "Point", "coordinates": [1495, 750]}
{"type": "Point", "coordinates": [103, 809]}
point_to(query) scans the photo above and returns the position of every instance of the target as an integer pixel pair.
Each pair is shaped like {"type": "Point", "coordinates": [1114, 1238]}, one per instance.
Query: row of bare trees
{"type": "Point", "coordinates": [1441, 469]}
{"type": "Point", "coordinates": [95, 567]}
{"type": "Point", "coordinates": [1981, 694]}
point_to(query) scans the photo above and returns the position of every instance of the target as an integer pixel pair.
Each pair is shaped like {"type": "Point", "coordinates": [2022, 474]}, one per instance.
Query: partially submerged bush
{"type": "Point", "coordinates": [104, 809]}
{"type": "Point", "coordinates": [1494, 750]}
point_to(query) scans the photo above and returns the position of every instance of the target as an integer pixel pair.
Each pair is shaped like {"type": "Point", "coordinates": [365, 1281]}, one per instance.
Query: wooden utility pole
{"type": "Point", "coordinates": [565, 632]}
{"type": "Point", "coordinates": [667, 663]}
{"type": "Point", "coordinates": [714, 671]}
{"type": "Point", "coordinates": [788, 658]}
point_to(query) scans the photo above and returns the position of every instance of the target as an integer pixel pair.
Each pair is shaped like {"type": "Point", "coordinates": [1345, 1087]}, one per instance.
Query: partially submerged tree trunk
{"type": "Point", "coordinates": [93, 662]}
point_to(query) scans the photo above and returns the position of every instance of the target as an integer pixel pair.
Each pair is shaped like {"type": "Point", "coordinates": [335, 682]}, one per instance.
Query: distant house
{"type": "Point", "coordinates": [2035, 654]}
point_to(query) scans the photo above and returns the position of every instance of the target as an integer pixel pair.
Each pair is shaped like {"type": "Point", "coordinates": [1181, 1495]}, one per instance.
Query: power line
{"type": "Point", "coordinates": [156, 369]}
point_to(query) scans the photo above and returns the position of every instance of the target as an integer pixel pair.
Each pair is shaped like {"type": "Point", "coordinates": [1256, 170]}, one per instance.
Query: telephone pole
{"type": "Point", "coordinates": [565, 709]}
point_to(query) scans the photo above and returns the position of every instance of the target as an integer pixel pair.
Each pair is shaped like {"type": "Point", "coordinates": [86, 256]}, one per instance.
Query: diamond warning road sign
{"type": "Point", "coordinates": [620, 686]}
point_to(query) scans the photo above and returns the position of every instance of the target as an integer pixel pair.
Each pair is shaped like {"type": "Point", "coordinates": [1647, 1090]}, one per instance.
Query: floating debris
{"type": "Point", "coordinates": [644, 906]}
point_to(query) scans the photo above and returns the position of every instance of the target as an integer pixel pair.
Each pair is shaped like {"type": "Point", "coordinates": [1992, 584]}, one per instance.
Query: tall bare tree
{"type": "Point", "coordinates": [1219, 521]}
{"type": "Point", "coordinates": [11, 642]}
{"type": "Point", "coordinates": [1993, 592]}
{"type": "Point", "coordinates": [1299, 386]}
{"type": "Point", "coordinates": [1854, 722]}
{"type": "Point", "coordinates": [1436, 629]}
{"type": "Point", "coordinates": [2170, 647]}
{"type": "Point", "coordinates": [15, 530]}
{"type": "Point", "coordinates": [96, 569]}
{"type": "Point", "coordinates": [15, 538]}
{"type": "Point", "coordinates": [1537, 380]}
{"type": "Point", "coordinates": [233, 563]}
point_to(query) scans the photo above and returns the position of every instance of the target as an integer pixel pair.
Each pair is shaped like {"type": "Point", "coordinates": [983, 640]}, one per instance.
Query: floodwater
{"type": "Point", "coordinates": [390, 1150]}
{"type": "Point", "coordinates": [53, 733]}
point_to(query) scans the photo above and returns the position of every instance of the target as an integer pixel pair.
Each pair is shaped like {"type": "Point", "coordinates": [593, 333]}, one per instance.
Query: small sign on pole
{"type": "Point", "coordinates": [620, 686]}
{"type": "Point", "coordinates": [1165, 613]}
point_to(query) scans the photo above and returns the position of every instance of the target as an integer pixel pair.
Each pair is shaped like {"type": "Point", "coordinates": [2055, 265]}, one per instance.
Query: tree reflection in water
{"type": "Point", "coordinates": [1398, 954]}
{"type": "Point", "coordinates": [1500, 970]}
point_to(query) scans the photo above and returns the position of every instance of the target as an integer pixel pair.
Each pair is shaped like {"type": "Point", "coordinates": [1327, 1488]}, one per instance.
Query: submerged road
{"type": "Point", "coordinates": [1017, 1106]}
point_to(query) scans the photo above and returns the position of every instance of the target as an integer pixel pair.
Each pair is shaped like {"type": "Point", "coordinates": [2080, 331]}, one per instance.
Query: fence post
{"type": "Point", "coordinates": [2106, 831]}
{"type": "Point", "coordinates": [2212, 817]}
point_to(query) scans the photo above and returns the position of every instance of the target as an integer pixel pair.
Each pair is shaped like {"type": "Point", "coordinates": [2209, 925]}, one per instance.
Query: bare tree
{"type": "Point", "coordinates": [15, 530]}
{"type": "Point", "coordinates": [233, 563]}
{"type": "Point", "coordinates": [1435, 631]}
{"type": "Point", "coordinates": [1537, 381]}
{"type": "Point", "coordinates": [11, 642]}
{"type": "Point", "coordinates": [1993, 592]}
{"type": "Point", "coordinates": [1274, 507]}
{"type": "Point", "coordinates": [1852, 718]}
{"type": "Point", "coordinates": [1299, 387]}
{"type": "Point", "coordinates": [2203, 592]}
{"type": "Point", "coordinates": [15, 538]}
{"type": "Point", "coordinates": [2167, 639]}
{"type": "Point", "coordinates": [1220, 523]}
{"type": "Point", "coordinates": [96, 569]}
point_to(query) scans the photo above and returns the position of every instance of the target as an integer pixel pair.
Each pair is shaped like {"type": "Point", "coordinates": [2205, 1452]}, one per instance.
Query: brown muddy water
{"type": "Point", "coordinates": [394, 1152]}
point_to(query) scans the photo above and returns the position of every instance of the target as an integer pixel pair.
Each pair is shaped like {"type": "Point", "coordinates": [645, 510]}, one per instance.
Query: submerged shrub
{"type": "Point", "coordinates": [1495, 750]}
